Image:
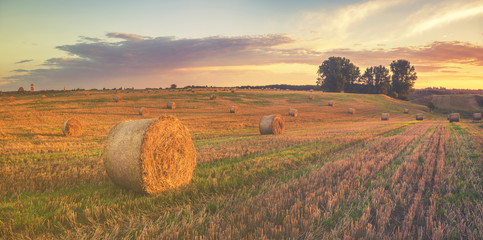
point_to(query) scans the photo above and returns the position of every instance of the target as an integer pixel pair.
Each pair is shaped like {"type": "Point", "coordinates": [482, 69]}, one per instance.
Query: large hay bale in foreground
{"type": "Point", "coordinates": [143, 111]}
{"type": "Point", "coordinates": [272, 124]}
{"type": "Point", "coordinates": [150, 155]}
{"type": "Point", "coordinates": [406, 110]}
{"type": "Point", "coordinates": [477, 116]}
{"type": "Point", "coordinates": [213, 97]}
{"type": "Point", "coordinates": [419, 116]}
{"type": "Point", "coordinates": [118, 99]}
{"type": "Point", "coordinates": [454, 117]}
{"type": "Point", "coordinates": [331, 103]}
{"type": "Point", "coordinates": [352, 111]}
{"type": "Point", "coordinates": [293, 112]}
{"type": "Point", "coordinates": [234, 109]}
{"type": "Point", "coordinates": [385, 116]}
{"type": "Point", "coordinates": [171, 105]}
{"type": "Point", "coordinates": [72, 128]}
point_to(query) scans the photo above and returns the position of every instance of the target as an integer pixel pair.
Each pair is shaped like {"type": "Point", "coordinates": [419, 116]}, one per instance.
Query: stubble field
{"type": "Point", "coordinates": [331, 175]}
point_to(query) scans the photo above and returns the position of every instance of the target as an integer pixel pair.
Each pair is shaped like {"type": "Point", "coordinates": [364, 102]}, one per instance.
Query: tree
{"type": "Point", "coordinates": [403, 78]}
{"type": "Point", "coordinates": [173, 86]}
{"type": "Point", "coordinates": [431, 106]}
{"type": "Point", "coordinates": [337, 74]}
{"type": "Point", "coordinates": [377, 79]}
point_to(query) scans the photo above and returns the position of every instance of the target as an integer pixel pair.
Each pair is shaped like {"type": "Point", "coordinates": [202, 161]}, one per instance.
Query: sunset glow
{"type": "Point", "coordinates": [154, 44]}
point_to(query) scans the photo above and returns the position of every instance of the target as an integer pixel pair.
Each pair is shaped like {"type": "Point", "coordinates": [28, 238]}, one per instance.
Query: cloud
{"type": "Point", "coordinates": [107, 62]}
{"type": "Point", "coordinates": [126, 36]}
{"type": "Point", "coordinates": [24, 61]}
{"type": "Point", "coordinates": [162, 60]}
{"type": "Point", "coordinates": [340, 24]}
{"type": "Point", "coordinates": [20, 70]}
{"type": "Point", "coordinates": [434, 53]}
{"type": "Point", "coordinates": [433, 15]}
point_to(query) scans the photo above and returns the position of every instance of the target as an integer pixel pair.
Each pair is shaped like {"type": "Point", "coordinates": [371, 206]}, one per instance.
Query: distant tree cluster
{"type": "Point", "coordinates": [338, 74]}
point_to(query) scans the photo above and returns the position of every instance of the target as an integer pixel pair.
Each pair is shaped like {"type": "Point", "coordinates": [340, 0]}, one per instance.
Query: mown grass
{"type": "Point", "coordinates": [28, 212]}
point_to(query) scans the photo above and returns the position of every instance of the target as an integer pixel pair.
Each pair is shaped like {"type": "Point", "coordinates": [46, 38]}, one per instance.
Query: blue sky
{"type": "Point", "coordinates": [95, 44]}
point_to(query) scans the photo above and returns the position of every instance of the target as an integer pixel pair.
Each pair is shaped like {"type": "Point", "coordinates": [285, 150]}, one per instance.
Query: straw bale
{"type": "Point", "coordinates": [477, 116]}
{"type": "Point", "coordinates": [419, 116]}
{"type": "Point", "coordinates": [143, 111]}
{"type": "Point", "coordinates": [72, 128]}
{"type": "Point", "coordinates": [150, 155]}
{"type": "Point", "coordinates": [11, 99]}
{"type": "Point", "coordinates": [43, 96]}
{"type": "Point", "coordinates": [454, 117]}
{"type": "Point", "coordinates": [213, 97]}
{"type": "Point", "coordinates": [293, 112]}
{"type": "Point", "coordinates": [234, 109]}
{"type": "Point", "coordinates": [331, 103]}
{"type": "Point", "coordinates": [406, 110]}
{"type": "Point", "coordinates": [352, 111]}
{"type": "Point", "coordinates": [118, 99]}
{"type": "Point", "coordinates": [272, 124]}
{"type": "Point", "coordinates": [171, 105]}
{"type": "Point", "coordinates": [385, 116]}
{"type": "Point", "coordinates": [311, 97]}
{"type": "Point", "coordinates": [88, 94]}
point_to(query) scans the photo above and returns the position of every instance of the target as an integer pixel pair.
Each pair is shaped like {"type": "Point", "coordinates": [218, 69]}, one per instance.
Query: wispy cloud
{"type": "Point", "coordinates": [126, 36]}
{"type": "Point", "coordinates": [20, 70]}
{"type": "Point", "coordinates": [433, 15]}
{"type": "Point", "coordinates": [24, 61]}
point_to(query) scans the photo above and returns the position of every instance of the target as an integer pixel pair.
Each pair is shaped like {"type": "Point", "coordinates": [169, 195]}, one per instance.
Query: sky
{"type": "Point", "coordinates": [110, 44]}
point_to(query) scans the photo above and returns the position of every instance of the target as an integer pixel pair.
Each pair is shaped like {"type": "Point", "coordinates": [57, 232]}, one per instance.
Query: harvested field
{"type": "Point", "coordinates": [330, 175]}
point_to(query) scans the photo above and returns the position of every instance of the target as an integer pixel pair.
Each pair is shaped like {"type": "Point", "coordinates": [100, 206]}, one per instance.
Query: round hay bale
{"type": "Point", "coordinates": [331, 103]}
{"type": "Point", "coordinates": [143, 111]}
{"type": "Point", "coordinates": [43, 96]}
{"type": "Point", "coordinates": [272, 124]}
{"type": "Point", "coordinates": [477, 116]}
{"type": "Point", "coordinates": [233, 90]}
{"type": "Point", "coordinates": [385, 116]}
{"type": "Point", "coordinates": [419, 117]}
{"type": "Point", "coordinates": [88, 94]}
{"type": "Point", "coordinates": [11, 99]}
{"type": "Point", "coordinates": [193, 90]}
{"type": "Point", "coordinates": [311, 97]}
{"type": "Point", "coordinates": [118, 99]}
{"type": "Point", "coordinates": [454, 117]}
{"type": "Point", "coordinates": [216, 90]}
{"type": "Point", "coordinates": [352, 111]}
{"type": "Point", "coordinates": [293, 112]}
{"type": "Point", "coordinates": [311, 90]}
{"type": "Point", "coordinates": [72, 128]}
{"type": "Point", "coordinates": [406, 110]}
{"type": "Point", "coordinates": [213, 97]}
{"type": "Point", "coordinates": [171, 105]}
{"type": "Point", "coordinates": [234, 109]}
{"type": "Point", "coordinates": [150, 155]}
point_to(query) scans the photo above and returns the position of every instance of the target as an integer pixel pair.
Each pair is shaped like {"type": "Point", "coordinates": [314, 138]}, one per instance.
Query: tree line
{"type": "Point", "coordinates": [338, 74]}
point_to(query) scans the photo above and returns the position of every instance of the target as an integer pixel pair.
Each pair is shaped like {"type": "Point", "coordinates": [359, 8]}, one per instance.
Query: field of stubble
{"type": "Point", "coordinates": [331, 175]}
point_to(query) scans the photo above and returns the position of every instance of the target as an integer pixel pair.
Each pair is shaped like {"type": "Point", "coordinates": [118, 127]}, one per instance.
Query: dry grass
{"type": "Point", "coordinates": [331, 175]}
